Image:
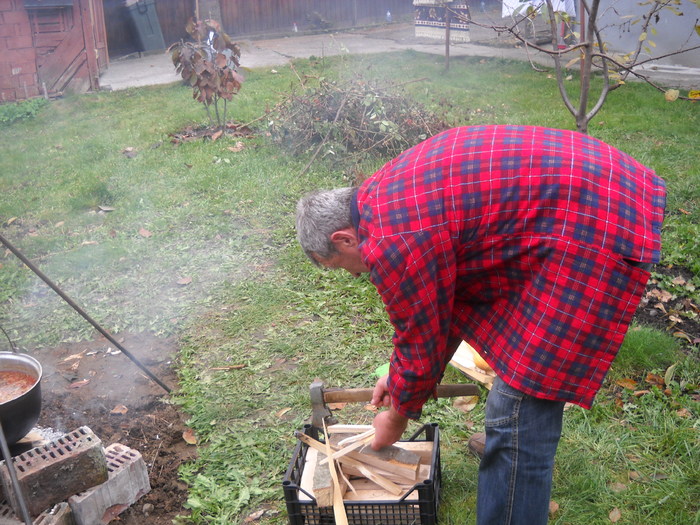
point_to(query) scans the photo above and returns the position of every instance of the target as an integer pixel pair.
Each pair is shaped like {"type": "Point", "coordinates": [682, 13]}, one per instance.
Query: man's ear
{"type": "Point", "coordinates": [345, 238]}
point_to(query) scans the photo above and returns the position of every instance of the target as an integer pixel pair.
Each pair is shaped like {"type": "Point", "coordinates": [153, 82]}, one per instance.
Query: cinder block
{"type": "Point", "coordinates": [59, 515]}
{"type": "Point", "coordinates": [50, 473]}
{"type": "Point", "coordinates": [128, 481]}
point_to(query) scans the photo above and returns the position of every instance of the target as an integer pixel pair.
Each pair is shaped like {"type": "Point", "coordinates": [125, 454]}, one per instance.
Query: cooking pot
{"type": "Point", "coordinates": [19, 415]}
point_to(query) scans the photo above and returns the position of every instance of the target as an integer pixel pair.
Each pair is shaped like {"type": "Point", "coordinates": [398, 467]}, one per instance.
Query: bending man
{"type": "Point", "coordinates": [533, 245]}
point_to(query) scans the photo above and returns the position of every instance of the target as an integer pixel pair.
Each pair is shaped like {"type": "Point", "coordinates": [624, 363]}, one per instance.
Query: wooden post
{"type": "Point", "coordinates": [448, 15]}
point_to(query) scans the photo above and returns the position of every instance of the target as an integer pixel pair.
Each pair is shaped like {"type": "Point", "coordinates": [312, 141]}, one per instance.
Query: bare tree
{"type": "Point", "coordinates": [590, 52]}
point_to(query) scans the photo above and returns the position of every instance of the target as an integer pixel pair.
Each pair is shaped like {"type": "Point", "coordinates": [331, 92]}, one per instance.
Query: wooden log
{"type": "Point", "coordinates": [322, 486]}
{"type": "Point", "coordinates": [390, 459]}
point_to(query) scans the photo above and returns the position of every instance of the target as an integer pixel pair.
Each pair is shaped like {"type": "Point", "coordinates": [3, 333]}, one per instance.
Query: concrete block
{"type": "Point", "coordinates": [58, 515]}
{"type": "Point", "coordinates": [127, 482]}
{"type": "Point", "coordinates": [50, 473]}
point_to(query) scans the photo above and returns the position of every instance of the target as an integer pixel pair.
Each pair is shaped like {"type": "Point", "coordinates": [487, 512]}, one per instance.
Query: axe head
{"type": "Point", "coordinates": [319, 409]}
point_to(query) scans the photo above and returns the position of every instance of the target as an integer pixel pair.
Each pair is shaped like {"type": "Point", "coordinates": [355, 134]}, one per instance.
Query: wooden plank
{"type": "Point", "coordinates": [323, 486]}
{"type": "Point", "coordinates": [348, 429]}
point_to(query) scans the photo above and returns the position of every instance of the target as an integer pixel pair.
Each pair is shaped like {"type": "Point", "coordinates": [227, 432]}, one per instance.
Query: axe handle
{"type": "Point", "coordinates": [351, 395]}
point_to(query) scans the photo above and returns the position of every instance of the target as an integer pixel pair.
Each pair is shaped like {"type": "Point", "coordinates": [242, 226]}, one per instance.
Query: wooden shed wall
{"type": "Point", "coordinates": [243, 18]}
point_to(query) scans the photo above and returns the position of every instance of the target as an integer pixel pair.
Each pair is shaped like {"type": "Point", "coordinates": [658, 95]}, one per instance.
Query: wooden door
{"type": "Point", "coordinates": [70, 45]}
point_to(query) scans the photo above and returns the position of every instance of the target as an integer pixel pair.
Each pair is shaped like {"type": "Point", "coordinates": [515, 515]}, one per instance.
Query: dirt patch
{"type": "Point", "coordinates": [91, 383]}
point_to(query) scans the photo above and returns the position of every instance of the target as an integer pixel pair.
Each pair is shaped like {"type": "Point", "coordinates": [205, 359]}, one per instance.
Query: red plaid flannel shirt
{"type": "Point", "coordinates": [518, 240]}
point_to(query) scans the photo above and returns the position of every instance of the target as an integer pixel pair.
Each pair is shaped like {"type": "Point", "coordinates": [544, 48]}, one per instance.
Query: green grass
{"type": "Point", "coordinates": [225, 221]}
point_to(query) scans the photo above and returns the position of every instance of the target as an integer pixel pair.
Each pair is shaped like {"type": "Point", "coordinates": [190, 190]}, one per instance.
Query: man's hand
{"type": "Point", "coordinates": [389, 426]}
{"type": "Point", "coordinates": [380, 395]}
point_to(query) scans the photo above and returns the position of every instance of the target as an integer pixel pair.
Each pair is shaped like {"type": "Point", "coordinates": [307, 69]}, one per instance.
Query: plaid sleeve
{"type": "Point", "coordinates": [415, 276]}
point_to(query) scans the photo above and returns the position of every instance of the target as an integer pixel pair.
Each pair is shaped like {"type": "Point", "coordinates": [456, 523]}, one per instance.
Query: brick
{"type": "Point", "coordinates": [6, 5]}
{"type": "Point", "coordinates": [50, 473]}
{"type": "Point", "coordinates": [128, 481]}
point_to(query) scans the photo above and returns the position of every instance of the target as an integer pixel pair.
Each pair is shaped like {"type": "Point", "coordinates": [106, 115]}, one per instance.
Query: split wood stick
{"type": "Point", "coordinates": [343, 451]}
{"type": "Point", "coordinates": [352, 439]}
{"type": "Point", "coordinates": [348, 429]}
{"type": "Point", "coordinates": [341, 518]}
{"type": "Point", "coordinates": [377, 478]}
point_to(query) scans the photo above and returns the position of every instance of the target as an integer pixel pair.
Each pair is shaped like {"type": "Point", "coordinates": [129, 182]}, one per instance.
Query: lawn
{"type": "Point", "coordinates": [196, 240]}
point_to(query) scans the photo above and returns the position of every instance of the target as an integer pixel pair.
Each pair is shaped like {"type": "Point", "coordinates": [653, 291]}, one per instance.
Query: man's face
{"type": "Point", "coordinates": [348, 261]}
{"type": "Point", "coordinates": [347, 254]}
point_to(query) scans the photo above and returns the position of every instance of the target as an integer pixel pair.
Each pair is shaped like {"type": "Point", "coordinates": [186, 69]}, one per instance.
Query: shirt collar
{"type": "Point", "coordinates": [354, 210]}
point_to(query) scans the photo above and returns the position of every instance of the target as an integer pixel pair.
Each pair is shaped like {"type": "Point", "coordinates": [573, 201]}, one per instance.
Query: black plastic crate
{"type": "Point", "coordinates": [403, 511]}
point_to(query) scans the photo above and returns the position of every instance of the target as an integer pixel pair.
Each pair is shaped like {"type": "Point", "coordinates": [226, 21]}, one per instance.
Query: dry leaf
{"type": "Point", "coordinates": [10, 220]}
{"type": "Point", "coordinates": [683, 412]}
{"type": "Point", "coordinates": [255, 516]}
{"type": "Point", "coordinates": [662, 295]}
{"type": "Point", "coordinates": [466, 403]}
{"type": "Point", "coordinates": [216, 136]}
{"type": "Point", "coordinates": [184, 281]}
{"type": "Point", "coordinates": [119, 409]}
{"type": "Point", "coordinates": [106, 208]}
{"type": "Point", "coordinates": [371, 408]}
{"type": "Point", "coordinates": [618, 487]}
{"type": "Point", "coordinates": [79, 384]}
{"type": "Point", "coordinates": [336, 406]}
{"type": "Point", "coordinates": [682, 335]}
{"type": "Point", "coordinates": [671, 95]}
{"type": "Point", "coordinates": [143, 232]}
{"type": "Point", "coordinates": [655, 380]}
{"type": "Point", "coordinates": [129, 152]}
{"type": "Point", "coordinates": [74, 356]}
{"type": "Point", "coordinates": [59, 224]}
{"type": "Point", "coordinates": [283, 412]}
{"type": "Point", "coordinates": [238, 147]}
{"type": "Point", "coordinates": [680, 280]}
{"type": "Point", "coordinates": [189, 437]}
{"type": "Point", "coordinates": [553, 507]}
{"type": "Point", "coordinates": [629, 384]}
{"type": "Point", "coordinates": [615, 515]}
{"type": "Point", "coordinates": [640, 393]}
{"type": "Point", "coordinates": [88, 243]}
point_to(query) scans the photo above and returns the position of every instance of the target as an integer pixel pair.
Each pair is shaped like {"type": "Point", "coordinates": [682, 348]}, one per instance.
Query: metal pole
{"type": "Point", "coordinates": [85, 316]}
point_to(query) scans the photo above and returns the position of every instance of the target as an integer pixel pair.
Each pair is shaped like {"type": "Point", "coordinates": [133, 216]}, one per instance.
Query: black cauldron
{"type": "Point", "coordinates": [19, 415]}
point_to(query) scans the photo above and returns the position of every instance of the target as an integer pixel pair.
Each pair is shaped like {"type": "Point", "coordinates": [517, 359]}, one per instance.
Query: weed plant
{"type": "Point", "coordinates": [197, 240]}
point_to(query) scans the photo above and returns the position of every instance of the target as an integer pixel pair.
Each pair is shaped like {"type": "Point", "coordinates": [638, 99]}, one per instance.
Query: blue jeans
{"type": "Point", "coordinates": [515, 474]}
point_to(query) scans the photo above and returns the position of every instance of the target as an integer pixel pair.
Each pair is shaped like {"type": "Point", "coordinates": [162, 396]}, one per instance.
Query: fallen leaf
{"type": "Point", "coordinates": [682, 335]}
{"type": "Point", "coordinates": [230, 367]}
{"type": "Point", "coordinates": [336, 406]}
{"type": "Point", "coordinates": [466, 403]}
{"type": "Point", "coordinates": [119, 409]}
{"type": "Point", "coordinates": [79, 384]}
{"type": "Point", "coordinates": [283, 412]}
{"type": "Point", "coordinates": [671, 95]}
{"type": "Point", "coordinates": [10, 221]}
{"type": "Point", "coordinates": [675, 319]}
{"type": "Point", "coordinates": [634, 475]}
{"type": "Point", "coordinates": [216, 136]}
{"type": "Point", "coordinates": [640, 393]}
{"type": "Point", "coordinates": [74, 356]}
{"type": "Point", "coordinates": [618, 487]}
{"type": "Point", "coordinates": [680, 280]}
{"type": "Point", "coordinates": [629, 384]}
{"type": "Point", "coordinates": [553, 507]}
{"type": "Point", "coordinates": [129, 152]}
{"type": "Point", "coordinates": [59, 224]}
{"type": "Point", "coordinates": [655, 380]}
{"type": "Point", "coordinates": [371, 408]}
{"type": "Point", "coordinates": [668, 376]}
{"type": "Point", "coordinates": [105, 208]}
{"type": "Point", "coordinates": [184, 281]}
{"type": "Point", "coordinates": [189, 437]}
{"type": "Point", "coordinates": [683, 412]}
{"type": "Point", "coordinates": [88, 243]}
{"type": "Point", "coordinates": [143, 232]}
{"type": "Point", "coordinates": [238, 147]}
{"type": "Point", "coordinates": [685, 212]}
{"type": "Point", "coordinates": [662, 295]}
{"type": "Point", "coordinates": [615, 515]}
{"type": "Point", "coordinates": [255, 516]}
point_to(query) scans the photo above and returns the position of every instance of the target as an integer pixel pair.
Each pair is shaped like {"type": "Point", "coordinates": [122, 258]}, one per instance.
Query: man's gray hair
{"type": "Point", "coordinates": [319, 215]}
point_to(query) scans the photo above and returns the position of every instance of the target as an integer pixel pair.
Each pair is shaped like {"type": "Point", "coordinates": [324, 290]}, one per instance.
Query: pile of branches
{"type": "Point", "coordinates": [352, 121]}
